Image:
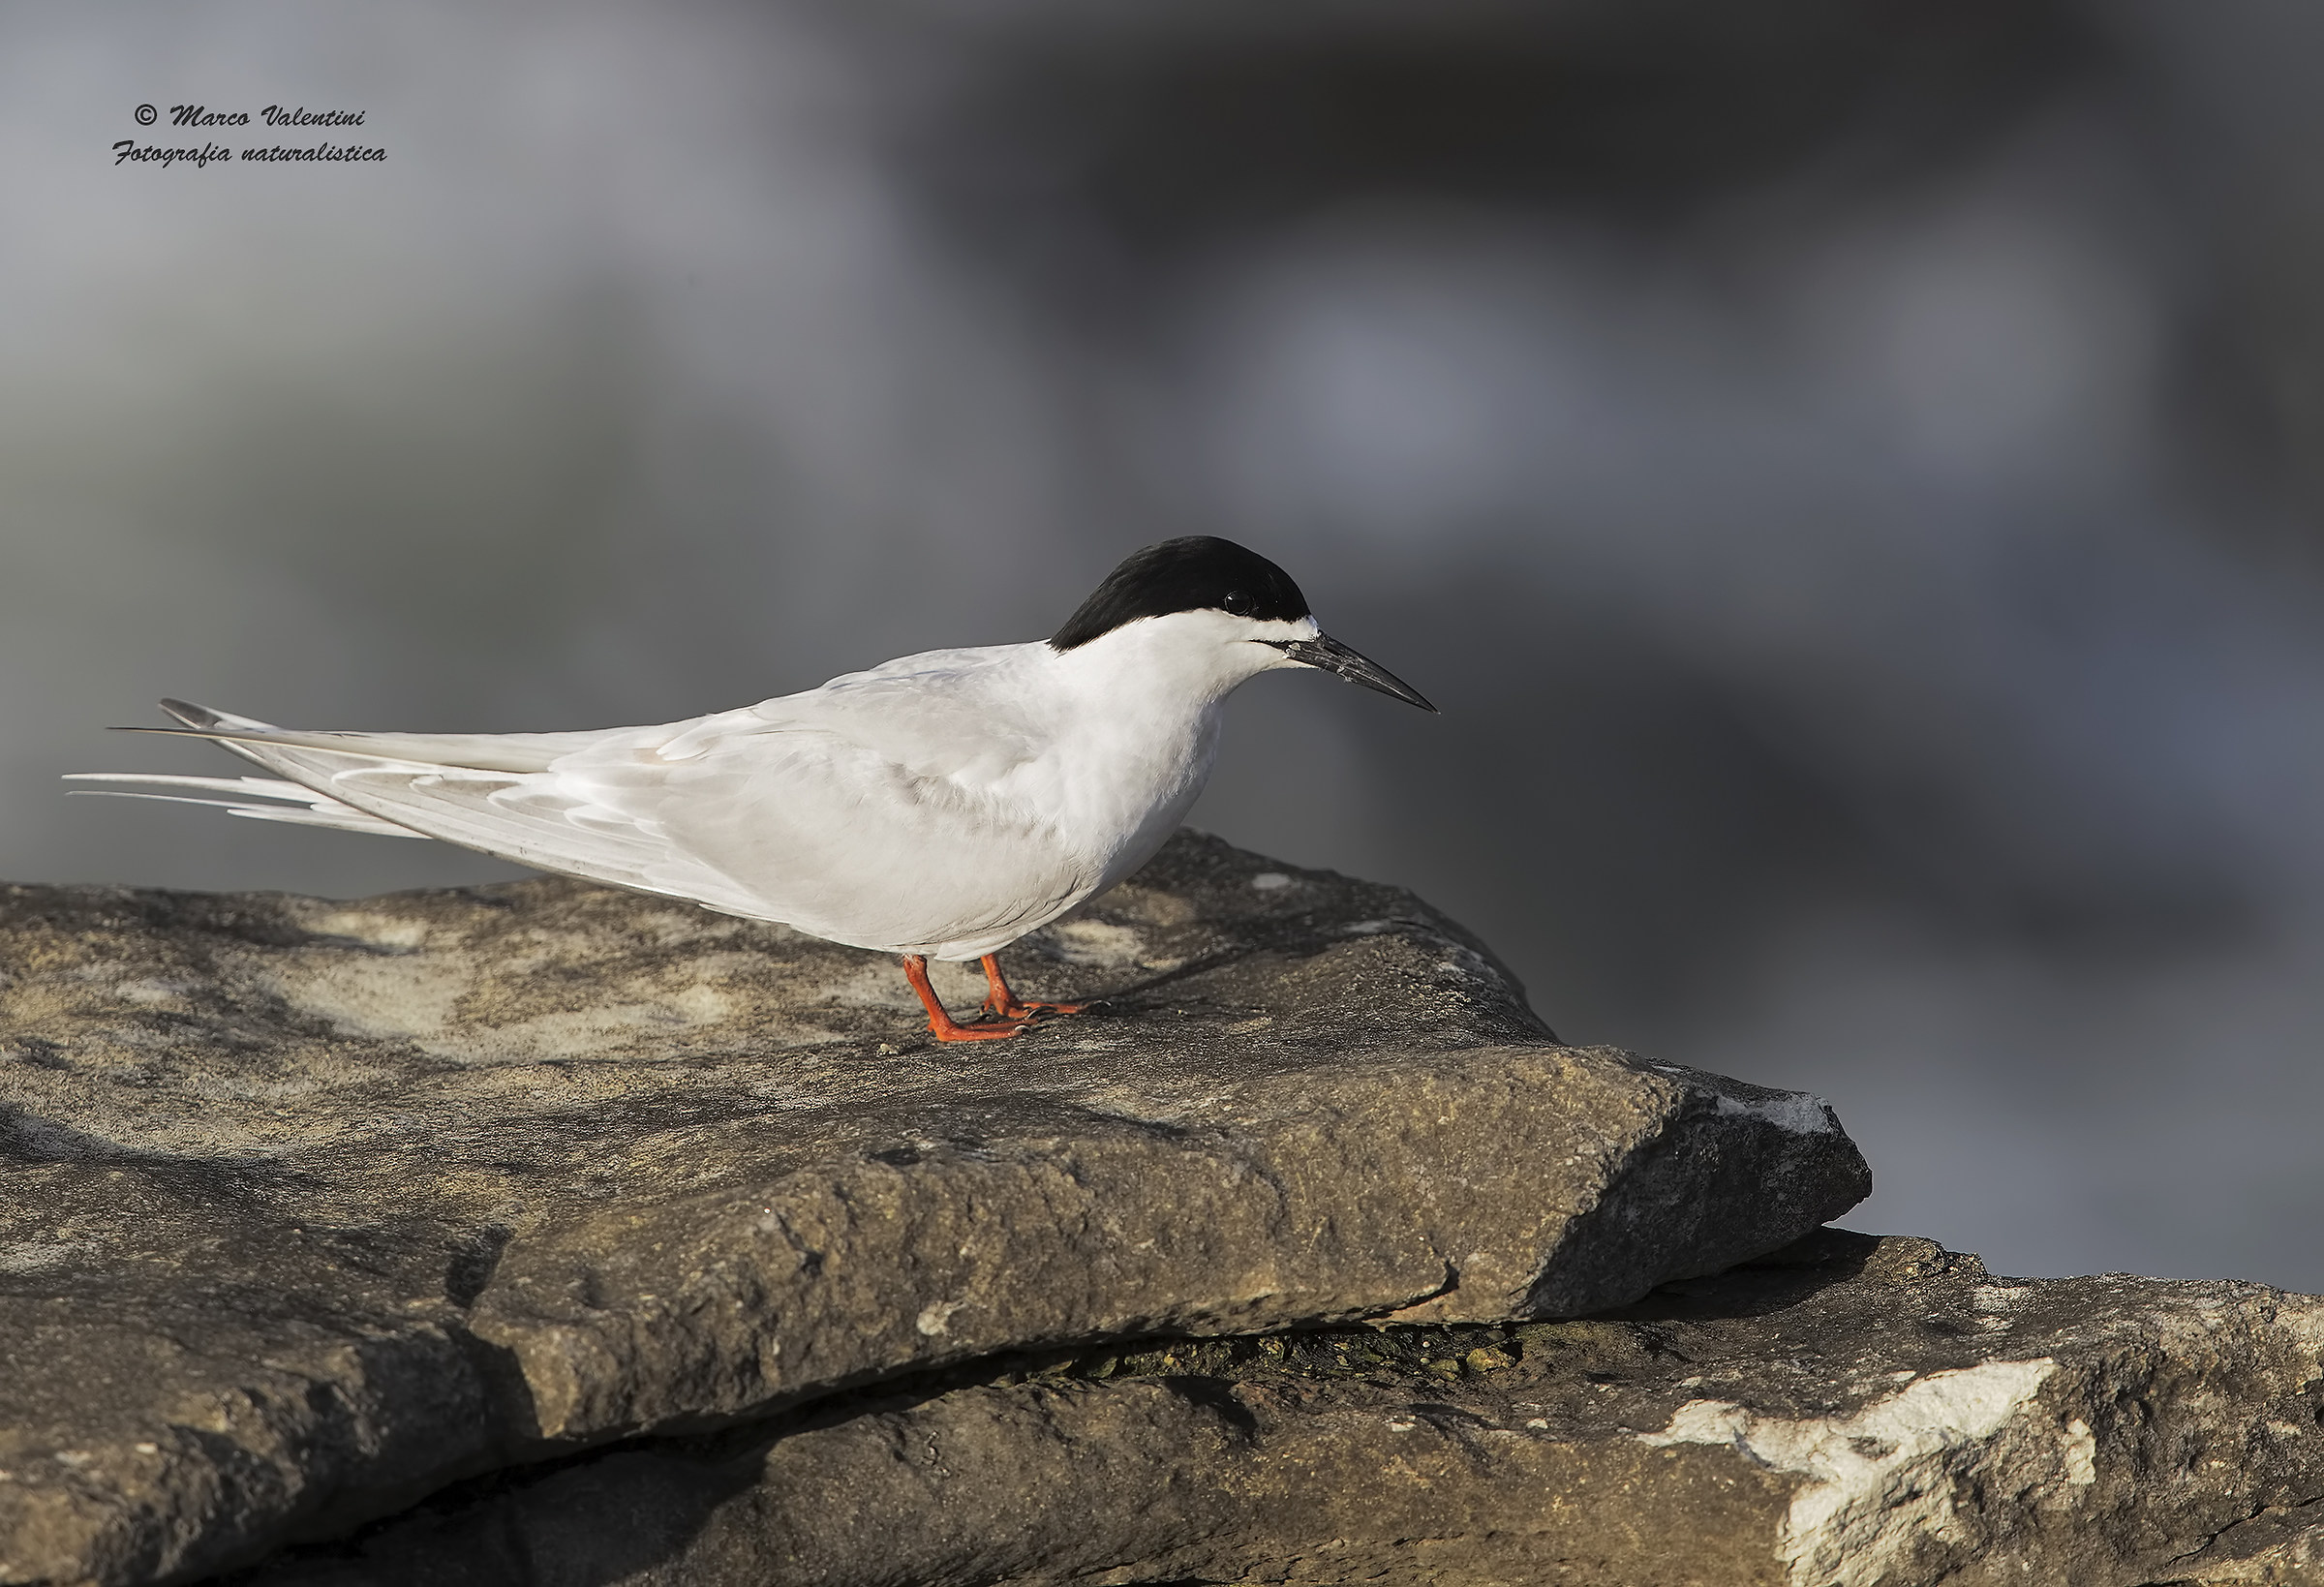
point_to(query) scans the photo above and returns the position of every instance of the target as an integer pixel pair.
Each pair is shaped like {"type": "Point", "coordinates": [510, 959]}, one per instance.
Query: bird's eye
{"type": "Point", "coordinates": [1237, 604]}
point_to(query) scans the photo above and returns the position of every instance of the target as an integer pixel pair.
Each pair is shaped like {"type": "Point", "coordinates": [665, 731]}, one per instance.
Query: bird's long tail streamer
{"type": "Point", "coordinates": [257, 798]}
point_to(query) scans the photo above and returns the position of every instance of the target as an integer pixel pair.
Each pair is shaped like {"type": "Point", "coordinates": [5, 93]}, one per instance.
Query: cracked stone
{"type": "Point", "coordinates": [1835, 1417]}
{"type": "Point", "coordinates": [317, 1206]}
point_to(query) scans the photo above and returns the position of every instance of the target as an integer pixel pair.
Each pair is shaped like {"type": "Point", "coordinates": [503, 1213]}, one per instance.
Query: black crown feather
{"type": "Point", "coordinates": [1198, 572]}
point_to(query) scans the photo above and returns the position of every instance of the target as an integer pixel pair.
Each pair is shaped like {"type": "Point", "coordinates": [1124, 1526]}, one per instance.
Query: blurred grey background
{"type": "Point", "coordinates": [1849, 470]}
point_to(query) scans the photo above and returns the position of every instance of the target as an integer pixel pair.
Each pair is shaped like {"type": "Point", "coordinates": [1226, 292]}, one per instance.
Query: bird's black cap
{"type": "Point", "coordinates": [1200, 572]}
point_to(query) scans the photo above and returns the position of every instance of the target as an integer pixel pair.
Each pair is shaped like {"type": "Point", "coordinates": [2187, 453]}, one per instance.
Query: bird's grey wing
{"type": "Point", "coordinates": [500, 793]}
{"type": "Point", "coordinates": [890, 816]}
{"type": "Point", "coordinates": [839, 840]}
{"type": "Point", "coordinates": [905, 807]}
{"type": "Point", "coordinates": [960, 715]}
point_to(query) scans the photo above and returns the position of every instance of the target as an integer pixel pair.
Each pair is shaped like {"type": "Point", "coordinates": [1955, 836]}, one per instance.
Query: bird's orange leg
{"type": "Point", "coordinates": [941, 1024]}
{"type": "Point", "coordinates": [1003, 1003]}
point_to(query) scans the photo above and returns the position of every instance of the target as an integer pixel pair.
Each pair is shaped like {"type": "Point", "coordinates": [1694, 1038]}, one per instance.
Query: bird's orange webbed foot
{"type": "Point", "coordinates": [1003, 1004]}
{"type": "Point", "coordinates": [940, 1024]}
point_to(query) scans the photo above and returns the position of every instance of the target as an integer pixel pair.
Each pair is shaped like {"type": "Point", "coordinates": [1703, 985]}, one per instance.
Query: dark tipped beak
{"type": "Point", "coordinates": [1329, 654]}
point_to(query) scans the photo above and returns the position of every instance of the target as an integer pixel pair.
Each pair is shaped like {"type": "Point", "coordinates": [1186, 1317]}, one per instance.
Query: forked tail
{"type": "Point", "coordinates": [258, 798]}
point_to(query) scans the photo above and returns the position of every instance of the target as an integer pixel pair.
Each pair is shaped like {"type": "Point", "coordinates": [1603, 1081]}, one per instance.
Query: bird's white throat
{"type": "Point", "coordinates": [1187, 661]}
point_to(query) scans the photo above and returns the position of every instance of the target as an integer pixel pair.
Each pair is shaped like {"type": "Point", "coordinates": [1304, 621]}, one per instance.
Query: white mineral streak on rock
{"type": "Point", "coordinates": [2300, 1317]}
{"type": "Point", "coordinates": [1996, 1304]}
{"type": "Point", "coordinates": [1793, 1111]}
{"type": "Point", "coordinates": [1465, 962]}
{"type": "Point", "coordinates": [40, 1256]}
{"type": "Point", "coordinates": [1881, 1480]}
{"type": "Point", "coordinates": [414, 998]}
{"type": "Point", "coordinates": [419, 998]}
{"type": "Point", "coordinates": [2081, 1454]}
{"type": "Point", "coordinates": [378, 931]}
{"type": "Point", "coordinates": [936, 1318]}
{"type": "Point", "coordinates": [1097, 943]}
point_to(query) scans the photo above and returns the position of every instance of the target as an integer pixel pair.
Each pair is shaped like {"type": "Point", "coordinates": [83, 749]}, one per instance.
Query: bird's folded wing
{"type": "Point", "coordinates": [782, 811]}
{"type": "Point", "coordinates": [494, 792]}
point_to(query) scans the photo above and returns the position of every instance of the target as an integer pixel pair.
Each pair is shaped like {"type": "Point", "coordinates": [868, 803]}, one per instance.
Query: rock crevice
{"type": "Point", "coordinates": [1849, 1412]}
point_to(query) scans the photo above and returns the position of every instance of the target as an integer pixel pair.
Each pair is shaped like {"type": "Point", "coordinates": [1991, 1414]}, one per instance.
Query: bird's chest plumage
{"type": "Point", "coordinates": [1121, 788]}
{"type": "Point", "coordinates": [1096, 802]}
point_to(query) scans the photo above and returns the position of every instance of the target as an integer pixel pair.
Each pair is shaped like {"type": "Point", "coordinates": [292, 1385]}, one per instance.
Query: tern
{"type": "Point", "coordinates": [938, 806]}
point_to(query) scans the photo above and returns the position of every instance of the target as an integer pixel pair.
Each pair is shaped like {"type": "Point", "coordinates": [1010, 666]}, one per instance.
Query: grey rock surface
{"type": "Point", "coordinates": [1853, 1412]}
{"type": "Point", "coordinates": [315, 1207]}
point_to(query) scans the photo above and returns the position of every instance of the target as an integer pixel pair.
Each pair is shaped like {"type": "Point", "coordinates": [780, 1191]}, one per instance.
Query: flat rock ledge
{"type": "Point", "coordinates": [314, 1207]}
{"type": "Point", "coordinates": [1849, 1412]}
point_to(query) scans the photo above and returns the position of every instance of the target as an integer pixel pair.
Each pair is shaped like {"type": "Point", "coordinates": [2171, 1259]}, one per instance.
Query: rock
{"type": "Point", "coordinates": [1857, 1411]}
{"type": "Point", "coordinates": [316, 1207]}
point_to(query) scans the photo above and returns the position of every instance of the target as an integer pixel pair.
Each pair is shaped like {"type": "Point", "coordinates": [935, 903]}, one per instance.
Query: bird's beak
{"type": "Point", "coordinates": [1329, 654]}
